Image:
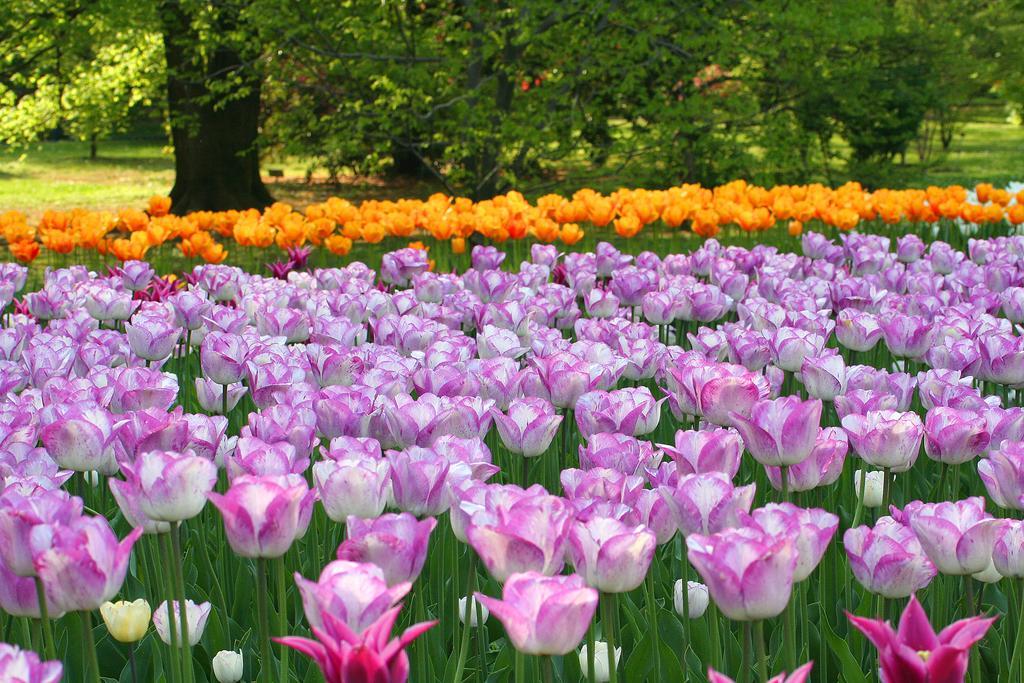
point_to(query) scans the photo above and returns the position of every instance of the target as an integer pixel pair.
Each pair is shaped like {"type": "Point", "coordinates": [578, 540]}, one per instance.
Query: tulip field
{"type": "Point", "coordinates": [507, 453]}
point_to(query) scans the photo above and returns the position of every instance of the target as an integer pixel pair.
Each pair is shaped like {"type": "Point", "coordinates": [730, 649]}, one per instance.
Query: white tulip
{"type": "Point", "coordinates": [697, 594]}
{"type": "Point", "coordinates": [873, 493]}
{"type": "Point", "coordinates": [601, 672]}
{"type": "Point", "coordinates": [473, 607]}
{"type": "Point", "coordinates": [227, 666]}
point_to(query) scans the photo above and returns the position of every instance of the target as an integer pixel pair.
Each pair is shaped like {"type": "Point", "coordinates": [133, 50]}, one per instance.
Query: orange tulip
{"type": "Point", "coordinates": [159, 206]}
{"type": "Point", "coordinates": [458, 245]}
{"type": "Point", "coordinates": [570, 234]}
{"type": "Point", "coordinates": [24, 251]}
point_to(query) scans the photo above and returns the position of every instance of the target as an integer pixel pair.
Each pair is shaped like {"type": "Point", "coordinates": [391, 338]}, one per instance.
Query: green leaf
{"type": "Point", "coordinates": [848, 664]}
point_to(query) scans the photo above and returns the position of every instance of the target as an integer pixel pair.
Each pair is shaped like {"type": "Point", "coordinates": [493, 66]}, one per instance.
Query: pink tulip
{"type": "Point", "coordinates": [1008, 550]}
{"type": "Point", "coordinates": [264, 515]}
{"type": "Point", "coordinates": [543, 615]}
{"type": "Point", "coordinates": [707, 450]}
{"type": "Point", "coordinates": [617, 452]}
{"type": "Point", "coordinates": [355, 593]}
{"type": "Point", "coordinates": [528, 535]}
{"type": "Point", "coordinates": [707, 503]}
{"type": "Point", "coordinates": [748, 573]}
{"type": "Point", "coordinates": [1002, 472]}
{"type": "Point", "coordinates": [914, 653]}
{"type": "Point", "coordinates": [953, 436]}
{"type": "Point", "coordinates": [529, 427]}
{"type": "Point", "coordinates": [811, 528]}
{"type": "Point", "coordinates": [18, 666]}
{"type": "Point", "coordinates": [84, 565]}
{"type": "Point", "coordinates": [888, 559]}
{"type": "Point", "coordinates": [28, 523]}
{"type": "Point", "coordinates": [780, 432]}
{"type": "Point", "coordinates": [886, 438]}
{"type": "Point", "coordinates": [395, 543]}
{"type": "Point", "coordinates": [822, 468]}
{"type": "Point", "coordinates": [346, 656]}
{"type": "Point", "coordinates": [79, 437]}
{"type": "Point", "coordinates": [612, 557]}
{"type": "Point", "coordinates": [352, 486]}
{"type": "Point", "coordinates": [171, 487]}
{"type": "Point", "coordinates": [957, 537]}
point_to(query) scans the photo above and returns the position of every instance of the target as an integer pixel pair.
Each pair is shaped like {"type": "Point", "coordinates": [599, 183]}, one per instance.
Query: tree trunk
{"type": "Point", "coordinates": [213, 130]}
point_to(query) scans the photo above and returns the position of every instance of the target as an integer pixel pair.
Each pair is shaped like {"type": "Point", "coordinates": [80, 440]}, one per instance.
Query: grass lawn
{"type": "Point", "coordinates": [60, 175]}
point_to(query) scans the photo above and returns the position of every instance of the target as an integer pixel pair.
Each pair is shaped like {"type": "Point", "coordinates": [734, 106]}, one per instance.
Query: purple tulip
{"type": "Point", "coordinates": [618, 452]}
{"type": "Point", "coordinates": [906, 336]}
{"type": "Point", "coordinates": [812, 530]}
{"type": "Point", "coordinates": [631, 411]}
{"type": "Point", "coordinates": [401, 266]}
{"type": "Point", "coordinates": [824, 375]}
{"type": "Point", "coordinates": [856, 330]}
{"type": "Point", "coordinates": [418, 477]}
{"type": "Point", "coordinates": [716, 391]}
{"type": "Point", "coordinates": [79, 437]}
{"type": "Point", "coordinates": [264, 515]}
{"type": "Point", "coordinates": [529, 427]}
{"type": "Point", "coordinates": [255, 457]}
{"type": "Point", "coordinates": [1002, 358]}
{"type": "Point", "coordinates": [84, 565]}
{"type": "Point", "coordinates": [953, 436]}
{"type": "Point", "coordinates": [1008, 550]}
{"type": "Point", "coordinates": [211, 397]}
{"type": "Point", "coordinates": [957, 537]}
{"type": "Point", "coordinates": [24, 666]}
{"type": "Point", "coordinates": [152, 337]}
{"type": "Point", "coordinates": [887, 559]}
{"type": "Point", "coordinates": [1002, 472]}
{"type": "Point", "coordinates": [886, 438]}
{"type": "Point", "coordinates": [171, 487]}
{"type": "Point", "coordinates": [352, 486]}
{"type": "Point", "coordinates": [565, 378]}
{"type": "Point", "coordinates": [18, 596]}
{"type": "Point", "coordinates": [790, 346]}
{"type": "Point", "coordinates": [780, 432]}
{"type": "Point", "coordinates": [822, 468]}
{"type": "Point", "coordinates": [708, 450]}
{"type": "Point", "coordinates": [914, 653]}
{"type": "Point", "coordinates": [528, 535]}
{"type": "Point", "coordinates": [354, 593]}
{"type": "Point", "coordinates": [611, 556]}
{"type": "Point", "coordinates": [748, 574]}
{"type": "Point", "coordinates": [543, 615]}
{"type": "Point", "coordinates": [601, 303]}
{"type": "Point", "coordinates": [395, 543]}
{"type": "Point", "coordinates": [223, 356]}
{"type": "Point", "coordinates": [707, 503]}
{"type": "Point", "coordinates": [28, 522]}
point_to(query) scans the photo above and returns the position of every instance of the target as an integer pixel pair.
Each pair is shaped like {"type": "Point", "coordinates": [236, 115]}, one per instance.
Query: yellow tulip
{"type": "Point", "coordinates": [126, 621]}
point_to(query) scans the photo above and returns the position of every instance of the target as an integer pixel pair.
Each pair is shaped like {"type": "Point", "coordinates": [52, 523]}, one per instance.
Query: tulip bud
{"type": "Point", "coordinates": [601, 671]}
{"type": "Point", "coordinates": [227, 666]}
{"type": "Point", "coordinates": [484, 613]}
{"type": "Point", "coordinates": [126, 621]}
{"type": "Point", "coordinates": [92, 478]}
{"type": "Point", "coordinates": [697, 595]}
{"type": "Point", "coordinates": [873, 494]}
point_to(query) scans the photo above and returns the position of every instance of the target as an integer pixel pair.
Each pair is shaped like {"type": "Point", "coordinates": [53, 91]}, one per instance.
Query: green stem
{"type": "Point", "coordinates": [607, 623]}
{"type": "Point", "coordinates": [886, 489]}
{"type": "Point", "coordinates": [652, 617]}
{"type": "Point", "coordinates": [975, 661]}
{"type": "Point", "coordinates": [762, 659]}
{"type": "Point", "coordinates": [716, 639]}
{"type": "Point", "coordinates": [90, 645]}
{"type": "Point", "coordinates": [1018, 648]}
{"type": "Point", "coordinates": [172, 617]}
{"type": "Point", "coordinates": [591, 674]}
{"type": "Point", "coordinates": [784, 475]}
{"type": "Point", "coordinates": [748, 638]}
{"type": "Point", "coordinates": [282, 615]}
{"type": "Point", "coordinates": [466, 620]}
{"type": "Point", "coordinates": [264, 617]}
{"type": "Point", "coordinates": [44, 615]}
{"type": "Point", "coordinates": [860, 498]}
{"type": "Point", "coordinates": [548, 669]}
{"type": "Point", "coordinates": [789, 635]}
{"type": "Point", "coordinates": [520, 667]}
{"type": "Point", "coordinates": [179, 583]}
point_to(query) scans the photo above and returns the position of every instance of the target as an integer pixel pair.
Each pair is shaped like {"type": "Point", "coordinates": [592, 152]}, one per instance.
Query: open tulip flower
{"type": "Point", "coordinates": [914, 653]}
{"type": "Point", "coordinates": [801, 675]}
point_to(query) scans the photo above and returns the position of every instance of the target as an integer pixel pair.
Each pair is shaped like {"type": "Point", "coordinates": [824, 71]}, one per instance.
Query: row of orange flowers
{"type": "Point", "coordinates": [337, 224]}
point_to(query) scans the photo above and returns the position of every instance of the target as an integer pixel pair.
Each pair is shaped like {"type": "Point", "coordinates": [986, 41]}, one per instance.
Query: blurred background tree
{"type": "Point", "coordinates": [483, 96]}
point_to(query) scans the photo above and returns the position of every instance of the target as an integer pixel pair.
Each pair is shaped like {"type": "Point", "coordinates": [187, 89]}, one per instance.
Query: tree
{"type": "Point", "coordinates": [213, 102]}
